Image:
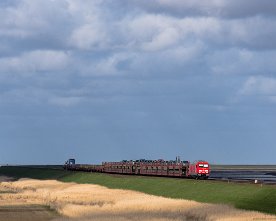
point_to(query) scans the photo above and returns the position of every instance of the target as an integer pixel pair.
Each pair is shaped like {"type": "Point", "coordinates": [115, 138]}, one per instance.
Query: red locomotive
{"type": "Point", "coordinates": [172, 168]}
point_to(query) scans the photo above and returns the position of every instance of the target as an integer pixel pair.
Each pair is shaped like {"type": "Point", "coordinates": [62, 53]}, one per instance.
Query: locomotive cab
{"type": "Point", "coordinates": [203, 169]}
{"type": "Point", "coordinates": [200, 169]}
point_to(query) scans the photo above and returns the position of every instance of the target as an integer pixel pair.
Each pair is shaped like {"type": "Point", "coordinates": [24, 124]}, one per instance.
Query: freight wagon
{"type": "Point", "coordinates": [172, 168]}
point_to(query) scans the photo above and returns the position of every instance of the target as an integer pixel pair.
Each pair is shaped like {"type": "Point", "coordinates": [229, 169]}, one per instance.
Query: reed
{"type": "Point", "coordinates": [87, 201]}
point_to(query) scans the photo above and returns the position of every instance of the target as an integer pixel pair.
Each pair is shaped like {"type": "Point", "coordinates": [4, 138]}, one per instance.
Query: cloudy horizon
{"type": "Point", "coordinates": [112, 80]}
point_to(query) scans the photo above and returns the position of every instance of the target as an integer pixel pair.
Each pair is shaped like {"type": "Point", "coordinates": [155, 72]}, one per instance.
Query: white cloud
{"type": "Point", "coordinates": [89, 37]}
{"type": "Point", "coordinates": [28, 18]}
{"type": "Point", "coordinates": [204, 6]}
{"type": "Point", "coordinates": [35, 61]}
{"type": "Point", "coordinates": [164, 39]}
{"type": "Point", "coordinates": [100, 38]}
{"type": "Point", "coordinates": [115, 64]}
{"type": "Point", "coordinates": [215, 8]}
{"type": "Point", "coordinates": [159, 32]}
{"type": "Point", "coordinates": [255, 32]}
{"type": "Point", "coordinates": [265, 86]}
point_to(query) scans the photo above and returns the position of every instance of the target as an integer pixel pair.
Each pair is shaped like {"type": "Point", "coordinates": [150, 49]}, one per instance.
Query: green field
{"type": "Point", "coordinates": [243, 196]}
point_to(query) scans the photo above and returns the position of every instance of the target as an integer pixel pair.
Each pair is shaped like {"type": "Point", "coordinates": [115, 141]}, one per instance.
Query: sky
{"type": "Point", "coordinates": [108, 80]}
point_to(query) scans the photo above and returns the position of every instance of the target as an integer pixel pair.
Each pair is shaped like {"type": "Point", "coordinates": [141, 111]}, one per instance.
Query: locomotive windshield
{"type": "Point", "coordinates": [203, 165]}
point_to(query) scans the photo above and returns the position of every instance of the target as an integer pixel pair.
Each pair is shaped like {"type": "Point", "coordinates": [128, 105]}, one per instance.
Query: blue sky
{"type": "Point", "coordinates": [130, 79]}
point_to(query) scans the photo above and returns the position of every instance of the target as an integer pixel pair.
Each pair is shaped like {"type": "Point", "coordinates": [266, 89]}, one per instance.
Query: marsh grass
{"type": "Point", "coordinates": [244, 196]}
{"type": "Point", "coordinates": [93, 202]}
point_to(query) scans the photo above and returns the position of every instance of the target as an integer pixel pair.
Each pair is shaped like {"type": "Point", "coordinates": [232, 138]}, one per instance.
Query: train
{"type": "Point", "coordinates": [199, 169]}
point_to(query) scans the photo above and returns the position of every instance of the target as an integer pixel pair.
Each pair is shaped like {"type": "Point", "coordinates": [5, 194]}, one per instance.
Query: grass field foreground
{"type": "Point", "coordinates": [83, 202]}
{"type": "Point", "coordinates": [243, 196]}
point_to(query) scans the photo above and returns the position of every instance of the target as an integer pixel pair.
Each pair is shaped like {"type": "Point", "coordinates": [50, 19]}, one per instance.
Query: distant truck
{"type": "Point", "coordinates": [173, 168]}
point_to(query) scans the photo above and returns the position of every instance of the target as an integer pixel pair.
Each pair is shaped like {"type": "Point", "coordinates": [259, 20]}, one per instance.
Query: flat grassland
{"type": "Point", "coordinates": [243, 196]}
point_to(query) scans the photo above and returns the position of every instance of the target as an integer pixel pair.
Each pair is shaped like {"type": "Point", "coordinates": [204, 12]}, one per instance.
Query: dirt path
{"type": "Point", "coordinates": [83, 202]}
{"type": "Point", "coordinates": [5, 179]}
{"type": "Point", "coordinates": [26, 213]}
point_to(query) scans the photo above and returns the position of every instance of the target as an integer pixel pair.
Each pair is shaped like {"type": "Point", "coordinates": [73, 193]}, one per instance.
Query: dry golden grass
{"type": "Point", "coordinates": [92, 202]}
